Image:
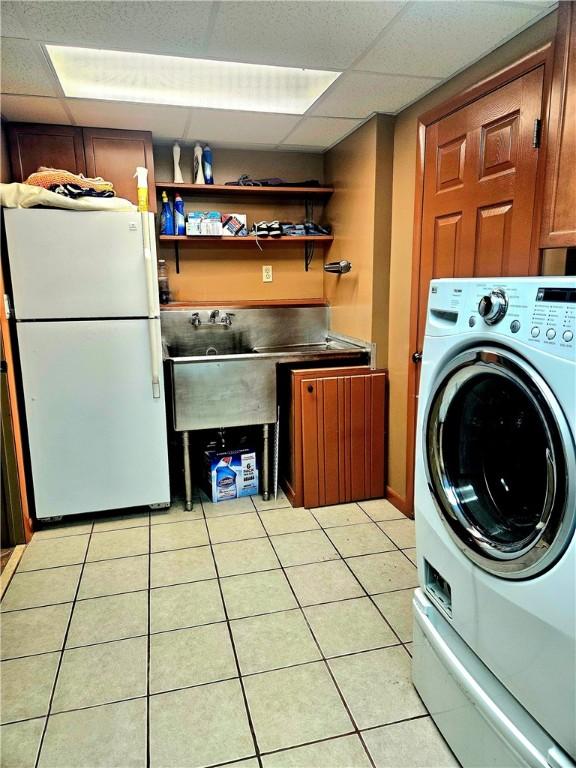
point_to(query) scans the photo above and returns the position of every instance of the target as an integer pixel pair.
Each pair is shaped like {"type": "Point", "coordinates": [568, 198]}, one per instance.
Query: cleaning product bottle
{"type": "Point", "coordinates": [163, 286]}
{"type": "Point", "coordinates": [225, 479]}
{"type": "Point", "coordinates": [198, 171]}
{"type": "Point", "coordinates": [207, 165]}
{"type": "Point", "coordinates": [142, 188]}
{"type": "Point", "coordinates": [166, 217]}
{"type": "Point", "coordinates": [176, 157]}
{"type": "Point", "coordinates": [179, 223]}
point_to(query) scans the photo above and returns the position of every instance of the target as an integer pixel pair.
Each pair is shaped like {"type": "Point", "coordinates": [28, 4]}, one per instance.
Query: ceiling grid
{"type": "Point", "coordinates": [390, 54]}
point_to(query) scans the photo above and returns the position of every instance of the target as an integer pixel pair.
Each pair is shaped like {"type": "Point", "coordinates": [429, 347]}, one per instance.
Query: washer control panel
{"type": "Point", "coordinates": [539, 311]}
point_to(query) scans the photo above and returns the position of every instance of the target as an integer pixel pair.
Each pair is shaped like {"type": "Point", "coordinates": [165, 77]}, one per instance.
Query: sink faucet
{"type": "Point", "coordinates": [213, 315]}
{"type": "Point", "coordinates": [227, 318]}
{"type": "Point", "coordinates": [195, 319]}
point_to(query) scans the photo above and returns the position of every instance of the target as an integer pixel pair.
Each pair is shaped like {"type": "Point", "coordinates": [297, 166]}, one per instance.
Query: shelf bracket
{"type": "Point", "coordinates": [308, 254]}
{"type": "Point", "coordinates": [177, 256]}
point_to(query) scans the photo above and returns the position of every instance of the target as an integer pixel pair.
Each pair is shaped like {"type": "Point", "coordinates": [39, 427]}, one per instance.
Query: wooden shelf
{"type": "Point", "coordinates": [231, 240]}
{"type": "Point", "coordinates": [218, 190]}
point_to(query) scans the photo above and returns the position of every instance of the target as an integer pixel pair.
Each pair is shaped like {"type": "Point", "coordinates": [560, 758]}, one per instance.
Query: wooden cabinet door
{"type": "Point", "coordinates": [480, 170]}
{"type": "Point", "coordinates": [343, 438]}
{"type": "Point", "coordinates": [559, 211]}
{"type": "Point", "coordinates": [55, 146]}
{"type": "Point", "coordinates": [114, 155]}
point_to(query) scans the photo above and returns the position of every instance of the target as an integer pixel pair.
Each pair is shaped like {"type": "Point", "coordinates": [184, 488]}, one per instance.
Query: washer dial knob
{"type": "Point", "coordinates": [493, 306]}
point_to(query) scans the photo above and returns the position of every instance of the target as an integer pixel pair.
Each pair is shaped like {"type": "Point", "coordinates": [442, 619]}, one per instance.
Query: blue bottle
{"type": "Point", "coordinates": [207, 165]}
{"type": "Point", "coordinates": [179, 223]}
{"type": "Point", "coordinates": [166, 217]}
{"type": "Point", "coordinates": [225, 481]}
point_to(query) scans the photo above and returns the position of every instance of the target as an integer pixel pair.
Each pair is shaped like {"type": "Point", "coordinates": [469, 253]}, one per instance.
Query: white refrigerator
{"type": "Point", "coordinates": [85, 300]}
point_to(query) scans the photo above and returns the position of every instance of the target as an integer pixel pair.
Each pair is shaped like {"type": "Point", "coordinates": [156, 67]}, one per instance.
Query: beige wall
{"type": "Point", "coordinates": [210, 273]}
{"type": "Point", "coordinates": [402, 230]}
{"type": "Point", "coordinates": [360, 169]}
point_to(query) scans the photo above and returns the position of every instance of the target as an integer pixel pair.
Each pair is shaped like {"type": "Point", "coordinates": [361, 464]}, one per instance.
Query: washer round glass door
{"type": "Point", "coordinates": [500, 462]}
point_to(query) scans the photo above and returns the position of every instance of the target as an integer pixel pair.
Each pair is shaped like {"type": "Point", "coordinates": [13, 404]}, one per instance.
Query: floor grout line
{"type": "Point", "coordinates": [61, 659]}
{"type": "Point", "coordinates": [234, 651]}
{"type": "Point", "coordinates": [148, 644]}
{"type": "Point", "coordinates": [324, 660]}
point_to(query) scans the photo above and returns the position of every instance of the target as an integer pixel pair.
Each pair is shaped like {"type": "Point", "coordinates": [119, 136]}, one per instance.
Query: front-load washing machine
{"type": "Point", "coordinates": [495, 503]}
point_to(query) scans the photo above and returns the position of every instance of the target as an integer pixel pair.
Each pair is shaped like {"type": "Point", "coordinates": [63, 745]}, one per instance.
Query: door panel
{"type": "Point", "coordinates": [115, 154]}
{"type": "Point", "coordinates": [343, 437]}
{"type": "Point", "coordinates": [97, 435]}
{"type": "Point", "coordinates": [480, 186]}
{"type": "Point", "coordinates": [68, 264]}
{"type": "Point", "coordinates": [559, 214]}
{"type": "Point", "coordinates": [55, 146]}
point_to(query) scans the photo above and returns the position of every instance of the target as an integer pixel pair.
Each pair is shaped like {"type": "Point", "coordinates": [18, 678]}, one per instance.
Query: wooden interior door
{"type": "Point", "coordinates": [55, 146]}
{"type": "Point", "coordinates": [115, 154]}
{"type": "Point", "coordinates": [480, 168]}
{"type": "Point", "coordinates": [343, 437]}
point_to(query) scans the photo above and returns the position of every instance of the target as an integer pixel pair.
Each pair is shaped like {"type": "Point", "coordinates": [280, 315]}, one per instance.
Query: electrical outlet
{"type": "Point", "coordinates": [267, 273]}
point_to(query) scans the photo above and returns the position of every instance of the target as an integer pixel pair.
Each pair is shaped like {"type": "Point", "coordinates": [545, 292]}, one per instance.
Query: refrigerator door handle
{"type": "Point", "coordinates": [152, 320]}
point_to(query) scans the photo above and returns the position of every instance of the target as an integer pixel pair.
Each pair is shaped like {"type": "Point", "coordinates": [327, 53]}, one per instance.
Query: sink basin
{"type": "Point", "coordinates": [210, 340]}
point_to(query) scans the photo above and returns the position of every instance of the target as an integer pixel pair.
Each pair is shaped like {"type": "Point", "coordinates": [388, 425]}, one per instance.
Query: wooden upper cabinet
{"type": "Point", "coordinates": [115, 154]}
{"type": "Point", "coordinates": [559, 211]}
{"type": "Point", "coordinates": [112, 154]}
{"type": "Point", "coordinates": [54, 146]}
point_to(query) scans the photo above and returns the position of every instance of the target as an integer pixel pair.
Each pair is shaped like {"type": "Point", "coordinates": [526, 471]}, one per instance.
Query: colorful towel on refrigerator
{"type": "Point", "coordinates": [55, 179]}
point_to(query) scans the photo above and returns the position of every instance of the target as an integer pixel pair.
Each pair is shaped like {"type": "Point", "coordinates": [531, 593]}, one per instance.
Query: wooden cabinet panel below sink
{"type": "Point", "coordinates": [335, 450]}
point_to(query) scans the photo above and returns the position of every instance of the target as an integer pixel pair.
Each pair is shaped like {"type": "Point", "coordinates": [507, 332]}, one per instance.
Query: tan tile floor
{"type": "Point", "coordinates": [246, 633]}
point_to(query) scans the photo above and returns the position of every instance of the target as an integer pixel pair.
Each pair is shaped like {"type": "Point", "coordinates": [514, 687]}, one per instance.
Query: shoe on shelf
{"type": "Point", "coordinates": [315, 229]}
{"type": "Point", "coordinates": [274, 229]}
{"type": "Point", "coordinates": [260, 229]}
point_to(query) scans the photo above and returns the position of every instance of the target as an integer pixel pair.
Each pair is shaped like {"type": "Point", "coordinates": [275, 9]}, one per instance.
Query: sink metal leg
{"type": "Point", "coordinates": [265, 462]}
{"type": "Point", "coordinates": [187, 472]}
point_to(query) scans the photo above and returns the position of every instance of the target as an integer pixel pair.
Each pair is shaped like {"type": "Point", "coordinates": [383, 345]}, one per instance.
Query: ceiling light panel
{"type": "Point", "coordinates": [147, 78]}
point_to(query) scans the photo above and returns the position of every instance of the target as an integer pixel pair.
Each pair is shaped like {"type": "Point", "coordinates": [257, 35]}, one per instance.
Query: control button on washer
{"type": "Point", "coordinates": [550, 333]}
{"type": "Point", "coordinates": [535, 332]}
{"type": "Point", "coordinates": [515, 326]}
{"type": "Point", "coordinates": [567, 335]}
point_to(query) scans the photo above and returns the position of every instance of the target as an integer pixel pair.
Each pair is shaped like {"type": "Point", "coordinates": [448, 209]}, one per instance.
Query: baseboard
{"type": "Point", "coordinates": [10, 568]}
{"type": "Point", "coordinates": [400, 503]}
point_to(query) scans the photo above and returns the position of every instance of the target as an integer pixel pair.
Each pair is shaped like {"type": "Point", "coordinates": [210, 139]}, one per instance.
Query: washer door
{"type": "Point", "coordinates": [501, 463]}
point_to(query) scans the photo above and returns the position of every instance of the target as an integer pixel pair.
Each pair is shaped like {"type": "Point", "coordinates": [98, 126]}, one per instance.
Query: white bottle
{"type": "Point", "coordinates": [198, 170]}
{"type": "Point", "coordinates": [177, 172]}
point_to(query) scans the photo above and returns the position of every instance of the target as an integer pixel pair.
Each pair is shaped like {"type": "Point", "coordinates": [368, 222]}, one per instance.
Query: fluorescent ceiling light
{"type": "Point", "coordinates": [143, 77]}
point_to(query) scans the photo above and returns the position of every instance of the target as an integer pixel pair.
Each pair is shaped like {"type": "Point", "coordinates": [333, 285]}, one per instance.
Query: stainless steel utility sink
{"type": "Point", "coordinates": [209, 340]}
{"type": "Point", "coordinates": [217, 380]}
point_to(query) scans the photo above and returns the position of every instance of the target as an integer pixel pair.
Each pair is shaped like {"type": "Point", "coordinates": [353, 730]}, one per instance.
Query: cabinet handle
{"type": "Point", "coordinates": [310, 388]}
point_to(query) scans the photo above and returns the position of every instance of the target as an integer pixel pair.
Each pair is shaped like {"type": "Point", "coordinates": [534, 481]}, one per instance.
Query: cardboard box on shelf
{"type": "Point", "coordinates": [204, 223]}
{"type": "Point", "coordinates": [234, 224]}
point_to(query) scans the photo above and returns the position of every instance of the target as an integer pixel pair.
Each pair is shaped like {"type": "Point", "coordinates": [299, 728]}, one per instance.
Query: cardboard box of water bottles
{"type": "Point", "coordinates": [230, 474]}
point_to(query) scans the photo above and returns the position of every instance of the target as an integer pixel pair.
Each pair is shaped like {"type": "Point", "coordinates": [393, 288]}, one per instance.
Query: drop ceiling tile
{"type": "Point", "coordinates": [33, 109]}
{"type": "Point", "coordinates": [168, 27]}
{"type": "Point", "coordinates": [438, 38]}
{"type": "Point", "coordinates": [240, 128]}
{"type": "Point", "coordinates": [322, 35]}
{"type": "Point", "coordinates": [24, 69]}
{"type": "Point", "coordinates": [164, 122]}
{"type": "Point", "coordinates": [358, 94]}
{"type": "Point", "coordinates": [320, 131]}
{"type": "Point", "coordinates": [10, 24]}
